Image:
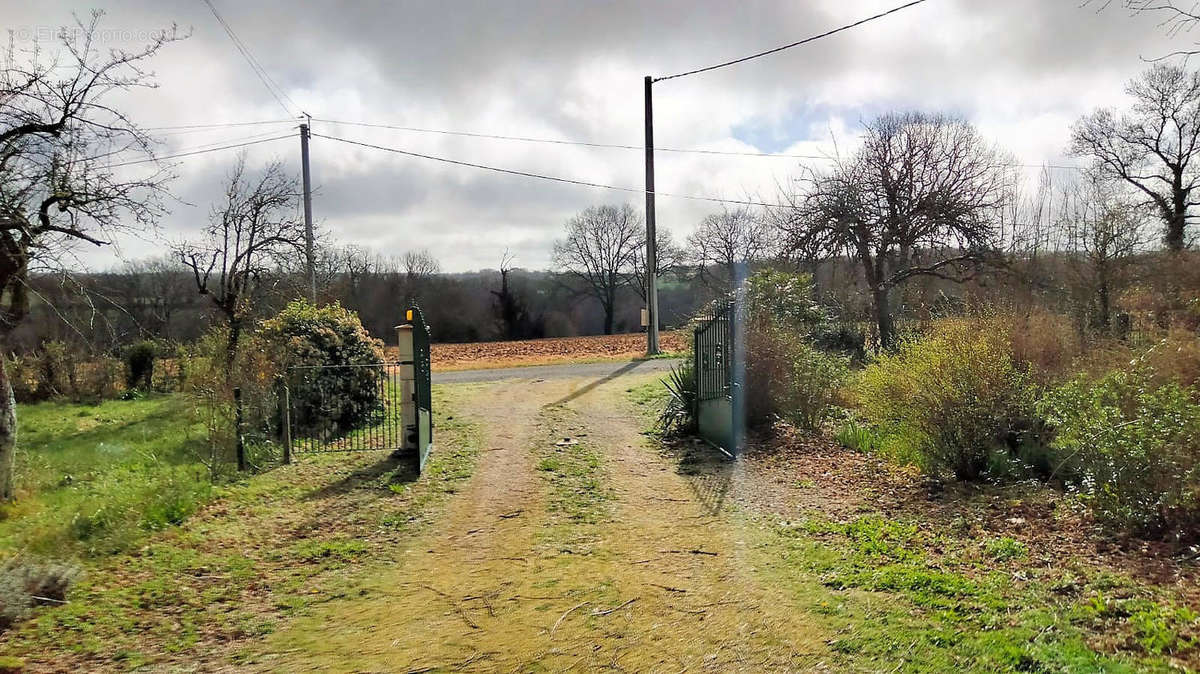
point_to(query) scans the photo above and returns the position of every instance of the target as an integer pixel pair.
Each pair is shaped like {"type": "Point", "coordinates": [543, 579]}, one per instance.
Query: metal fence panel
{"type": "Point", "coordinates": [344, 408]}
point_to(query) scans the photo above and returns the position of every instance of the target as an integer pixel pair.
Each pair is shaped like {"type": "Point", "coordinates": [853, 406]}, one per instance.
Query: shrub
{"type": "Point", "coordinates": [306, 335]}
{"type": "Point", "coordinates": [785, 300]}
{"type": "Point", "coordinates": [957, 390]}
{"type": "Point", "coordinates": [56, 370]}
{"type": "Point", "coordinates": [788, 378]}
{"type": "Point", "coordinates": [23, 376]}
{"type": "Point", "coordinates": [139, 364]}
{"type": "Point", "coordinates": [1135, 446]}
{"type": "Point", "coordinates": [1045, 343]}
{"type": "Point", "coordinates": [56, 366]}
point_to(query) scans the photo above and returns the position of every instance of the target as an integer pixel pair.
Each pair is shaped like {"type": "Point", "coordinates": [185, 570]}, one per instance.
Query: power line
{"type": "Point", "coordinates": [275, 89]}
{"type": "Point", "coordinates": [197, 147]}
{"type": "Point", "coordinates": [539, 176]}
{"type": "Point", "coordinates": [218, 125]}
{"type": "Point", "coordinates": [619, 146]}
{"type": "Point", "coordinates": [794, 44]}
{"type": "Point", "coordinates": [555, 141]}
{"type": "Point", "coordinates": [196, 152]}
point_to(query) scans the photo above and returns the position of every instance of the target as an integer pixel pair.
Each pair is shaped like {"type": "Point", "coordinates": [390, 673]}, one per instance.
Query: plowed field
{"type": "Point", "coordinates": [549, 351]}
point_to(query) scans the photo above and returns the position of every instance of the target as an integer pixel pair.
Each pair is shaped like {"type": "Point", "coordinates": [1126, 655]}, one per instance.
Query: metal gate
{"type": "Point", "coordinates": [422, 383]}
{"type": "Point", "coordinates": [343, 408]}
{"type": "Point", "coordinates": [720, 369]}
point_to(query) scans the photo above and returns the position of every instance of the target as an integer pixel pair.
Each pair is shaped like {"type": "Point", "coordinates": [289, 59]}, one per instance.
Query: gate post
{"type": "Point", "coordinates": [408, 406]}
{"type": "Point", "coordinates": [287, 423]}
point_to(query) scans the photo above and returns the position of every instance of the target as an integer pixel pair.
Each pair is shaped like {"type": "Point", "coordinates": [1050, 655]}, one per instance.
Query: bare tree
{"type": "Point", "coordinates": [1101, 230]}
{"type": "Point", "coordinates": [1153, 146]}
{"type": "Point", "coordinates": [511, 313]}
{"type": "Point", "coordinates": [58, 183]}
{"type": "Point", "coordinates": [419, 266]}
{"type": "Point", "coordinates": [152, 290]}
{"type": "Point", "coordinates": [250, 234]}
{"type": "Point", "coordinates": [598, 249]}
{"type": "Point", "coordinates": [668, 257]}
{"type": "Point", "coordinates": [724, 240]}
{"type": "Point", "coordinates": [1176, 17]}
{"type": "Point", "coordinates": [917, 199]}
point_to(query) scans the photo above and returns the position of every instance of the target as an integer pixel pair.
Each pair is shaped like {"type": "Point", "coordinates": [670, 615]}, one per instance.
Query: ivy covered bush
{"type": "Point", "coordinates": [304, 334]}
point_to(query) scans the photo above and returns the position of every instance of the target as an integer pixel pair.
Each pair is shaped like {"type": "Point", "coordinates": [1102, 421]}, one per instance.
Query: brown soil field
{"type": "Point", "coordinates": [480, 355]}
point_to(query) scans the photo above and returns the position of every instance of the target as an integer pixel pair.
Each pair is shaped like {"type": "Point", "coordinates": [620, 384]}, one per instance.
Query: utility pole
{"type": "Point", "coordinates": [651, 236]}
{"type": "Point", "coordinates": [309, 254]}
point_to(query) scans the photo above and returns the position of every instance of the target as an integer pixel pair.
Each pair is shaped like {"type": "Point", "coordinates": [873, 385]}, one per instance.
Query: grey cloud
{"type": "Point", "coordinates": [573, 70]}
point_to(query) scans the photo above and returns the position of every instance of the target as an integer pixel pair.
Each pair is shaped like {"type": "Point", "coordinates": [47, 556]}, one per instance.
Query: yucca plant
{"type": "Point", "coordinates": [679, 414]}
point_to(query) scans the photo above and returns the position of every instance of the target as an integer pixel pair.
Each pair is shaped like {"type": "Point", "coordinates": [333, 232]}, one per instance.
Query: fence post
{"type": "Point", "coordinates": [287, 423]}
{"type": "Point", "coordinates": [237, 428]}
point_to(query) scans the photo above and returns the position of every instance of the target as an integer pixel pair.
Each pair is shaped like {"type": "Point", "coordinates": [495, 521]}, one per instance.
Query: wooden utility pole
{"type": "Point", "coordinates": [651, 237]}
{"type": "Point", "coordinates": [309, 254]}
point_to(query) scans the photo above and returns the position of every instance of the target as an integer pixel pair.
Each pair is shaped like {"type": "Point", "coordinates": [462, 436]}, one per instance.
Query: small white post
{"type": "Point", "coordinates": [408, 405]}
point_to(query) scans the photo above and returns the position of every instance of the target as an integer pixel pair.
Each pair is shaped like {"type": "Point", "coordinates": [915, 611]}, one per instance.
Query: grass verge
{"type": "Point", "coordinates": [902, 598]}
{"type": "Point", "coordinates": [921, 592]}
{"type": "Point", "coordinates": [94, 479]}
{"type": "Point", "coordinates": [262, 552]}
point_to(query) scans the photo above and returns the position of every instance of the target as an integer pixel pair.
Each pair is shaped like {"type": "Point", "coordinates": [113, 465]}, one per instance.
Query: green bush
{"type": "Point", "coordinates": [306, 335]}
{"type": "Point", "coordinates": [1135, 446]}
{"type": "Point", "coordinates": [788, 378]}
{"type": "Point", "coordinates": [139, 365]}
{"type": "Point", "coordinates": [785, 300]}
{"type": "Point", "coordinates": [957, 391]}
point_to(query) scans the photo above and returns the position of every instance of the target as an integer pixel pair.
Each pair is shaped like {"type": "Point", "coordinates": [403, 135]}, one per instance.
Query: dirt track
{"type": "Point", "coordinates": [526, 571]}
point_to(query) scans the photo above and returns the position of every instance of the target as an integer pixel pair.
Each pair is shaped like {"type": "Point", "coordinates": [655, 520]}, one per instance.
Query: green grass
{"type": "Point", "coordinates": [264, 550]}
{"type": "Point", "coordinates": [899, 598]}
{"type": "Point", "coordinates": [96, 479]}
{"type": "Point", "coordinates": [901, 595]}
{"type": "Point", "coordinates": [578, 492]}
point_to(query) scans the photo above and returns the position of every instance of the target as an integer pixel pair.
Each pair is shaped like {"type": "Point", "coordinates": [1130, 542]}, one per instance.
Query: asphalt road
{"type": "Point", "coordinates": [609, 370]}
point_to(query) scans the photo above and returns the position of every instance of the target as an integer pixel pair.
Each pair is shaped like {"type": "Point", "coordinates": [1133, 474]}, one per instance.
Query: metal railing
{"type": "Point", "coordinates": [343, 408]}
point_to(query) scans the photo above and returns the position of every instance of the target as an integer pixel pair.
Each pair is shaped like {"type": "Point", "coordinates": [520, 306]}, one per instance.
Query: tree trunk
{"type": "Point", "coordinates": [881, 296]}
{"type": "Point", "coordinates": [608, 318]}
{"type": "Point", "coordinates": [1105, 301]}
{"type": "Point", "coordinates": [231, 346]}
{"type": "Point", "coordinates": [8, 434]}
{"type": "Point", "coordinates": [1176, 227]}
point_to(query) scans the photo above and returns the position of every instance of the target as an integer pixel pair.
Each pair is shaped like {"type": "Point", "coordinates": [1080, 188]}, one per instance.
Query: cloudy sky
{"type": "Point", "coordinates": [1022, 70]}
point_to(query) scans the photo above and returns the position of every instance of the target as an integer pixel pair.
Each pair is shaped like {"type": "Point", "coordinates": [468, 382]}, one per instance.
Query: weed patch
{"type": "Point", "coordinates": [899, 598]}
